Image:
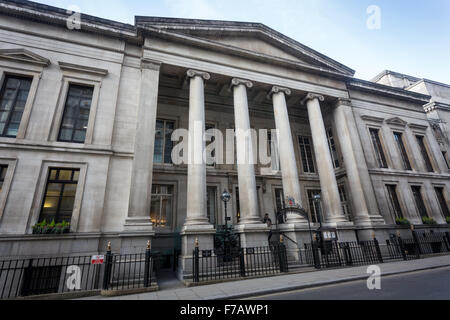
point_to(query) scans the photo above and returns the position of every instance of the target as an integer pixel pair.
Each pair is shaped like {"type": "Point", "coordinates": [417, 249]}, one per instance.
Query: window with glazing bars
{"type": "Point", "coordinates": [163, 141]}
{"type": "Point", "coordinates": [13, 97]}
{"type": "Point", "coordinates": [444, 154]}
{"type": "Point", "coordinates": [76, 114]}
{"type": "Point", "coordinates": [345, 203]}
{"type": "Point", "coordinates": [398, 136]}
{"type": "Point", "coordinates": [423, 151]}
{"type": "Point", "coordinates": [419, 201]}
{"type": "Point", "coordinates": [393, 201]}
{"type": "Point", "coordinates": [306, 153]}
{"type": "Point", "coordinates": [60, 194]}
{"type": "Point", "coordinates": [442, 203]}
{"type": "Point", "coordinates": [379, 153]}
{"type": "Point", "coordinates": [3, 169]}
{"type": "Point", "coordinates": [333, 150]}
{"type": "Point", "coordinates": [314, 207]}
{"type": "Point", "coordinates": [210, 138]}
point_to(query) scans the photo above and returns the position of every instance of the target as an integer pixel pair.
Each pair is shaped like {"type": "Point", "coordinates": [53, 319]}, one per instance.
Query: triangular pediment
{"type": "Point", "coordinates": [23, 55]}
{"type": "Point", "coordinates": [396, 121]}
{"type": "Point", "coordinates": [245, 38]}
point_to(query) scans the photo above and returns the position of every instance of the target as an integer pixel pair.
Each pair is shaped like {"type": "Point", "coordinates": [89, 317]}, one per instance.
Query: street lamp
{"type": "Point", "coordinates": [316, 199]}
{"type": "Point", "coordinates": [226, 196]}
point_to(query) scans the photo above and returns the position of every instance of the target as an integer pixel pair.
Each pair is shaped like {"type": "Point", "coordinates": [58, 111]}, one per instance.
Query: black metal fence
{"type": "Point", "coordinates": [339, 254]}
{"type": "Point", "coordinates": [29, 277]}
{"type": "Point", "coordinates": [209, 265]}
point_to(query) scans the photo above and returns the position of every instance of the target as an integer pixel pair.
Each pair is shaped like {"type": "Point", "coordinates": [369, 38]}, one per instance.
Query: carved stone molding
{"type": "Point", "coordinates": [372, 119]}
{"type": "Point", "coordinates": [417, 126]}
{"type": "Point", "coordinates": [343, 102]}
{"type": "Point", "coordinates": [195, 73]}
{"type": "Point", "coordinates": [237, 81]}
{"type": "Point", "coordinates": [396, 122]}
{"type": "Point", "coordinates": [312, 96]}
{"type": "Point", "coordinates": [23, 55]}
{"type": "Point", "coordinates": [276, 89]}
{"type": "Point", "coordinates": [83, 69]}
{"type": "Point", "coordinates": [150, 64]}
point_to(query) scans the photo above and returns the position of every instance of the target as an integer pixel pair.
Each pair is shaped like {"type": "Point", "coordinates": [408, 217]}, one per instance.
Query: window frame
{"type": "Point", "coordinates": [378, 148]}
{"type": "Point", "coordinates": [310, 200]}
{"type": "Point", "coordinates": [41, 188]}
{"type": "Point", "coordinates": [424, 150]}
{"type": "Point", "coordinates": [422, 202]}
{"type": "Point", "coordinates": [392, 203]}
{"type": "Point", "coordinates": [174, 185]}
{"type": "Point", "coordinates": [443, 201]}
{"type": "Point", "coordinates": [35, 76]}
{"type": "Point", "coordinates": [77, 119]}
{"type": "Point", "coordinates": [64, 183]}
{"type": "Point", "coordinates": [402, 149]}
{"type": "Point", "coordinates": [165, 119]}
{"type": "Point", "coordinates": [11, 168]}
{"type": "Point", "coordinates": [313, 160]}
{"type": "Point", "coordinates": [345, 204]}
{"type": "Point", "coordinates": [60, 108]}
{"type": "Point", "coordinates": [332, 143]}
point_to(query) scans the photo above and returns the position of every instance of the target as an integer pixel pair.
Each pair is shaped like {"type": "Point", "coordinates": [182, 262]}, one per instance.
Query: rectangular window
{"type": "Point", "coordinates": [161, 208]}
{"type": "Point", "coordinates": [13, 98]}
{"type": "Point", "coordinates": [279, 199]}
{"type": "Point", "coordinates": [398, 136]}
{"type": "Point", "coordinates": [345, 203]}
{"type": "Point", "coordinates": [333, 150]}
{"type": "Point", "coordinates": [419, 201]}
{"type": "Point", "coordinates": [3, 169]}
{"type": "Point", "coordinates": [442, 203]}
{"type": "Point", "coordinates": [379, 153]}
{"type": "Point", "coordinates": [393, 201]}
{"type": "Point", "coordinates": [423, 151]}
{"type": "Point", "coordinates": [59, 195]}
{"type": "Point", "coordinates": [444, 154]}
{"type": "Point", "coordinates": [76, 114]}
{"type": "Point", "coordinates": [211, 205]}
{"type": "Point", "coordinates": [163, 141]}
{"type": "Point", "coordinates": [306, 153]}
{"type": "Point", "coordinates": [314, 207]}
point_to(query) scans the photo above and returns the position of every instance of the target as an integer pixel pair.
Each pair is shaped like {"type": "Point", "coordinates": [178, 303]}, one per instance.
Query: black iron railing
{"type": "Point", "coordinates": [29, 277]}
{"type": "Point", "coordinates": [209, 265]}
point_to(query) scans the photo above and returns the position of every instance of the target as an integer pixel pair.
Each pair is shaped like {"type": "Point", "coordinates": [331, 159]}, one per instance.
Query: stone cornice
{"type": "Point", "coordinates": [417, 126]}
{"type": "Point", "coordinates": [436, 106]}
{"type": "Point", "coordinates": [196, 73]}
{"type": "Point", "coordinates": [150, 64]}
{"type": "Point", "coordinates": [372, 119]}
{"type": "Point", "coordinates": [237, 81]}
{"type": "Point", "coordinates": [388, 91]}
{"type": "Point", "coordinates": [396, 122]}
{"type": "Point", "coordinates": [343, 102]}
{"type": "Point", "coordinates": [83, 69]}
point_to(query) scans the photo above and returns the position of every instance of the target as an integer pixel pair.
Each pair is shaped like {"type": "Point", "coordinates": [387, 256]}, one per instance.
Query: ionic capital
{"type": "Point", "coordinates": [312, 96]}
{"type": "Point", "coordinates": [237, 81]}
{"type": "Point", "coordinates": [195, 73]}
{"type": "Point", "coordinates": [276, 89]}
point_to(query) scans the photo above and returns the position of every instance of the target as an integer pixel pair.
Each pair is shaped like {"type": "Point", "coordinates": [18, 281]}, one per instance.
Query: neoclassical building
{"type": "Point", "coordinates": [87, 114]}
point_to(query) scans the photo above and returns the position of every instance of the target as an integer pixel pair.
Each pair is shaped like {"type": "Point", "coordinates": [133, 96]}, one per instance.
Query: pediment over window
{"type": "Point", "coordinates": [372, 119]}
{"type": "Point", "coordinates": [24, 55]}
{"type": "Point", "coordinates": [396, 121]}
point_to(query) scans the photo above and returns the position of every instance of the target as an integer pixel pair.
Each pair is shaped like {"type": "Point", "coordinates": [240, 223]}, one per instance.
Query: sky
{"type": "Point", "coordinates": [407, 36]}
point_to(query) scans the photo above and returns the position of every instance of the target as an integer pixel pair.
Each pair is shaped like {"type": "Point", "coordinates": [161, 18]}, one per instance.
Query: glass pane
{"type": "Point", "coordinates": [70, 190]}
{"type": "Point", "coordinates": [53, 173]}
{"type": "Point", "coordinates": [12, 129]}
{"type": "Point", "coordinates": [76, 175]}
{"type": "Point", "coordinates": [50, 204]}
{"type": "Point", "coordinates": [65, 175]}
{"type": "Point", "coordinates": [54, 189]}
{"type": "Point", "coordinates": [154, 210]}
{"type": "Point", "coordinates": [79, 135]}
{"type": "Point", "coordinates": [67, 203]}
{"type": "Point", "coordinates": [65, 135]}
{"type": "Point", "coordinates": [4, 116]}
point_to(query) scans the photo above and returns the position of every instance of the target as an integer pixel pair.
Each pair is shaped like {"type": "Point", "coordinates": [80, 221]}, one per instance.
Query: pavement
{"type": "Point", "coordinates": [282, 283]}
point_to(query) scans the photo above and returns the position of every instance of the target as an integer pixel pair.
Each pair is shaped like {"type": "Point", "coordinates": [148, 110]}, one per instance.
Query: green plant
{"type": "Point", "coordinates": [47, 228]}
{"type": "Point", "coordinates": [402, 221]}
{"type": "Point", "coordinates": [427, 220]}
{"type": "Point", "coordinates": [448, 220]}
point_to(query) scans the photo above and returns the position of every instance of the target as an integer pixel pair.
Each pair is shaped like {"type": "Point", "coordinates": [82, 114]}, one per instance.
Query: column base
{"type": "Point", "coordinates": [138, 224]}
{"type": "Point", "coordinates": [253, 235]}
{"type": "Point", "coordinates": [369, 220]}
{"type": "Point", "coordinates": [204, 233]}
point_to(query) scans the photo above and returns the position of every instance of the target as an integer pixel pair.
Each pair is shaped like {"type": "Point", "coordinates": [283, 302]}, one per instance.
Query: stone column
{"type": "Point", "coordinates": [253, 231]}
{"type": "Point", "coordinates": [355, 164]}
{"type": "Point", "coordinates": [331, 203]}
{"type": "Point", "coordinates": [196, 226]}
{"type": "Point", "coordinates": [288, 163]}
{"type": "Point", "coordinates": [141, 180]}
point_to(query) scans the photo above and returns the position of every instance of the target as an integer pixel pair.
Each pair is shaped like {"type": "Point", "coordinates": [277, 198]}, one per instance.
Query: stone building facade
{"type": "Point", "coordinates": [88, 111]}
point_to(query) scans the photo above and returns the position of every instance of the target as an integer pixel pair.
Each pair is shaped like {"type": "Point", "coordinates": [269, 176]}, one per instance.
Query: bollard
{"type": "Point", "coordinates": [147, 270]}
{"type": "Point", "coordinates": [196, 270]}
{"type": "Point", "coordinates": [378, 250]}
{"type": "Point", "coordinates": [108, 267]}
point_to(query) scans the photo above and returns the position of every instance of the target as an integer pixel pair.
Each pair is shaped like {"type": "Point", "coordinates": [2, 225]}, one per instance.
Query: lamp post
{"type": "Point", "coordinates": [316, 199]}
{"type": "Point", "coordinates": [225, 196]}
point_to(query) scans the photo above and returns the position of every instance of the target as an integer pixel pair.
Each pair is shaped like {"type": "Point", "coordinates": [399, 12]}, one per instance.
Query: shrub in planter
{"type": "Point", "coordinates": [402, 221]}
{"type": "Point", "coordinates": [427, 220]}
{"type": "Point", "coordinates": [448, 220]}
{"type": "Point", "coordinates": [51, 228]}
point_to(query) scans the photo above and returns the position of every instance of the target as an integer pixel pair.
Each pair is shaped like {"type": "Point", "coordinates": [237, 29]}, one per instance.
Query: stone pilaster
{"type": "Point", "coordinates": [355, 164]}
{"type": "Point", "coordinates": [141, 181]}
